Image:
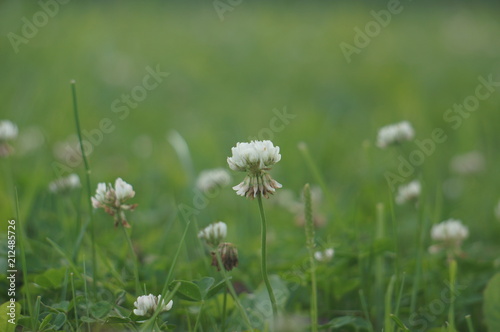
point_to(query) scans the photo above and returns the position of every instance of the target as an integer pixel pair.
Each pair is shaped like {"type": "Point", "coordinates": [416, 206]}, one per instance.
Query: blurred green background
{"type": "Point", "coordinates": [225, 79]}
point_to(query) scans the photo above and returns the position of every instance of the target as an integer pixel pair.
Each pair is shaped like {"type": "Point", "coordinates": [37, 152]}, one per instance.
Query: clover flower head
{"type": "Point", "coordinates": [228, 254]}
{"type": "Point", "coordinates": [395, 134]}
{"type": "Point", "coordinates": [146, 305]}
{"type": "Point", "coordinates": [325, 255]}
{"type": "Point", "coordinates": [8, 132]}
{"type": "Point", "coordinates": [112, 200]}
{"type": "Point", "coordinates": [214, 233]}
{"type": "Point", "coordinates": [255, 158]}
{"type": "Point", "coordinates": [468, 163]}
{"type": "Point", "coordinates": [409, 192]}
{"type": "Point", "coordinates": [213, 178]}
{"type": "Point", "coordinates": [449, 230]}
{"type": "Point", "coordinates": [449, 234]}
{"type": "Point", "coordinates": [65, 184]}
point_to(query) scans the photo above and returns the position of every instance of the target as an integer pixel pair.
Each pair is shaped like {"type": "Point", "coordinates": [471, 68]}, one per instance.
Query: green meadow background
{"type": "Point", "coordinates": [225, 79]}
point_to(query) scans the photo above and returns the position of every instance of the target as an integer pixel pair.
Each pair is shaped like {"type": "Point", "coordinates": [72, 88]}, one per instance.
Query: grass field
{"type": "Point", "coordinates": [166, 89]}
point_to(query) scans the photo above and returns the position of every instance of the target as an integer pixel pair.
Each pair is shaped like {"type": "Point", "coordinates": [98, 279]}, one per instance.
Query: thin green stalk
{"type": "Point", "coordinates": [24, 265]}
{"type": "Point", "coordinates": [451, 311]}
{"type": "Point", "coordinates": [134, 258]}
{"type": "Point", "coordinates": [400, 295]}
{"type": "Point", "coordinates": [37, 312]}
{"type": "Point", "coordinates": [420, 244]}
{"type": "Point", "coordinates": [304, 149]}
{"type": "Point", "coordinates": [264, 258]}
{"type": "Point", "coordinates": [364, 305]}
{"type": "Point", "coordinates": [395, 236]}
{"type": "Point", "coordinates": [388, 326]}
{"type": "Point", "coordinates": [88, 185]}
{"type": "Point", "coordinates": [86, 292]}
{"type": "Point", "coordinates": [74, 299]}
{"type": "Point", "coordinates": [147, 325]}
{"type": "Point", "coordinates": [198, 317]}
{"type": "Point", "coordinates": [469, 323]}
{"type": "Point", "coordinates": [310, 246]}
{"type": "Point", "coordinates": [224, 310]}
{"type": "Point", "coordinates": [176, 256]}
{"type": "Point", "coordinates": [229, 285]}
{"type": "Point", "coordinates": [379, 260]}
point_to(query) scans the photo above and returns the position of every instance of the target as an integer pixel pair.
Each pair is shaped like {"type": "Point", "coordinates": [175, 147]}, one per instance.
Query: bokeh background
{"type": "Point", "coordinates": [226, 76]}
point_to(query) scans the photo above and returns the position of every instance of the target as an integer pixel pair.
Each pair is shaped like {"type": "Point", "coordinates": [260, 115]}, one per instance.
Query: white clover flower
{"type": "Point", "coordinates": [468, 163]}
{"type": "Point", "coordinates": [214, 233]}
{"type": "Point", "coordinates": [147, 304]}
{"type": "Point", "coordinates": [8, 130]}
{"type": "Point", "coordinates": [450, 235]}
{"type": "Point", "coordinates": [213, 178]}
{"type": "Point", "coordinates": [449, 230]}
{"type": "Point", "coordinates": [395, 134]}
{"type": "Point", "coordinates": [409, 192]}
{"type": "Point", "coordinates": [325, 255]}
{"type": "Point", "coordinates": [255, 158]}
{"type": "Point", "coordinates": [112, 200]}
{"type": "Point", "coordinates": [65, 184]}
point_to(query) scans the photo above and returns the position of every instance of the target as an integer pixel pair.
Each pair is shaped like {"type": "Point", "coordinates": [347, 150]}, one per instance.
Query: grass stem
{"type": "Point", "coordinates": [87, 185]}
{"type": "Point", "coordinates": [310, 246]}
{"type": "Point", "coordinates": [24, 265]}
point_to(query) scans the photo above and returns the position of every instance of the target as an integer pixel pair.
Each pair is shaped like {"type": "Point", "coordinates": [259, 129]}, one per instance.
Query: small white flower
{"type": "Point", "coordinates": [468, 163]}
{"type": "Point", "coordinates": [65, 184]}
{"type": "Point", "coordinates": [255, 158]}
{"type": "Point", "coordinates": [214, 233]}
{"type": "Point", "coordinates": [395, 134]}
{"type": "Point", "coordinates": [146, 305]}
{"type": "Point", "coordinates": [112, 200]}
{"type": "Point", "coordinates": [325, 255]}
{"type": "Point", "coordinates": [449, 234]}
{"type": "Point", "coordinates": [8, 130]}
{"type": "Point", "coordinates": [213, 178]}
{"type": "Point", "coordinates": [409, 192]}
{"type": "Point", "coordinates": [450, 230]}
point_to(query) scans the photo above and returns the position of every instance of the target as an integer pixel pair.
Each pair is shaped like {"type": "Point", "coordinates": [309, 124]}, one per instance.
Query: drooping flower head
{"type": "Point", "coordinates": [395, 134]}
{"type": "Point", "coordinates": [146, 305]}
{"type": "Point", "coordinates": [325, 255]}
{"type": "Point", "coordinates": [65, 184]}
{"type": "Point", "coordinates": [8, 132]}
{"type": "Point", "coordinates": [255, 158]}
{"type": "Point", "coordinates": [213, 178]}
{"type": "Point", "coordinates": [112, 200]}
{"type": "Point", "coordinates": [449, 234]}
{"type": "Point", "coordinates": [409, 192]}
{"type": "Point", "coordinates": [228, 254]}
{"type": "Point", "coordinates": [214, 233]}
